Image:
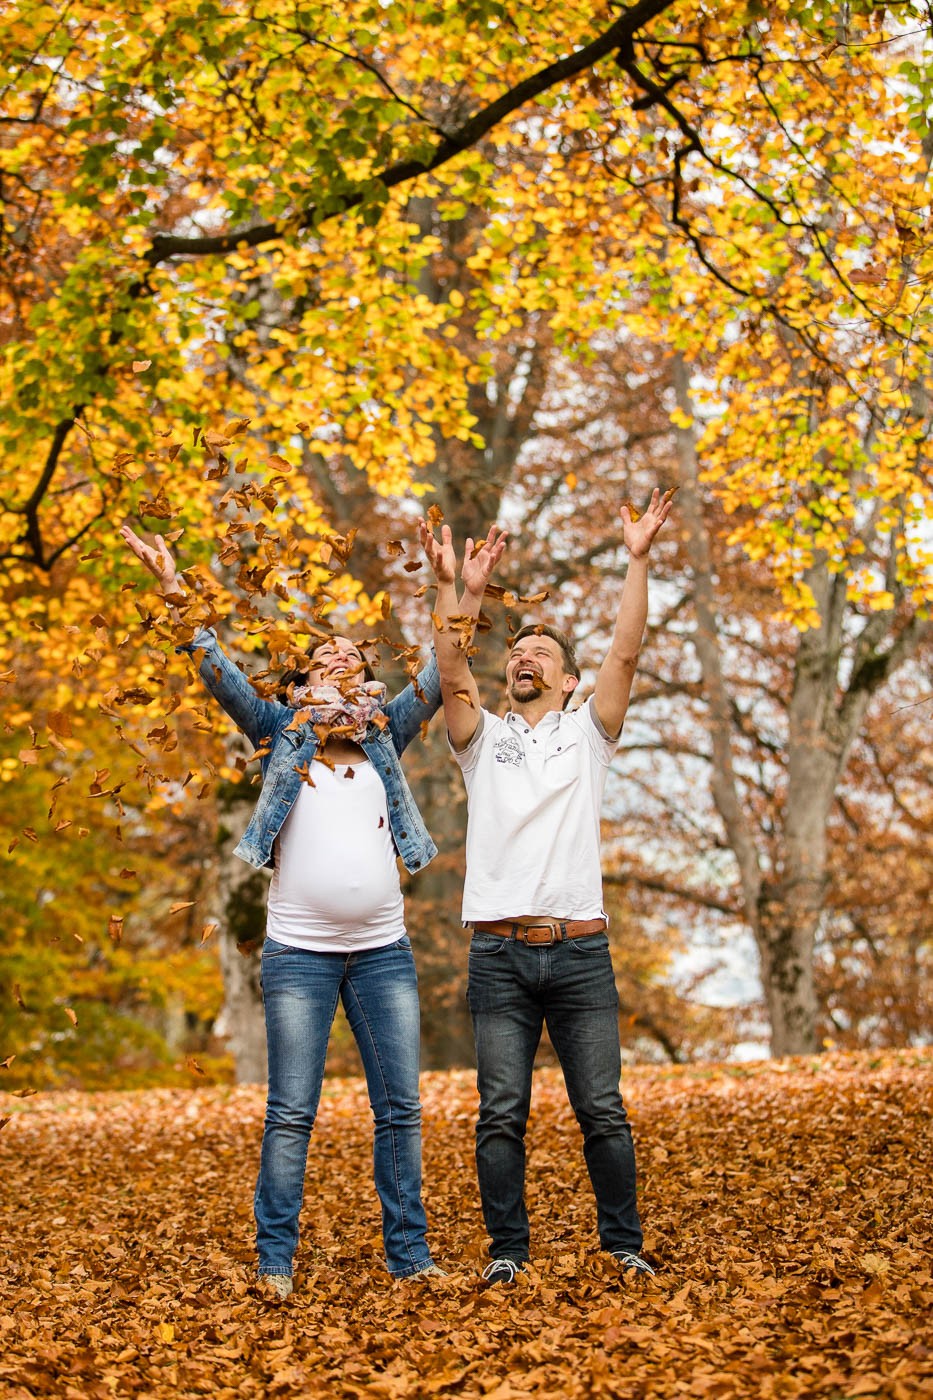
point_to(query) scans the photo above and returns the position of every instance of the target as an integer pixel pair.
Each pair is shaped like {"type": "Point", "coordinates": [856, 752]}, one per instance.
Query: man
{"type": "Point", "coordinates": [533, 891]}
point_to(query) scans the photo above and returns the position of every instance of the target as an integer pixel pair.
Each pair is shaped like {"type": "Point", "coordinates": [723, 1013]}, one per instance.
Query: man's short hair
{"type": "Point", "coordinates": [567, 653]}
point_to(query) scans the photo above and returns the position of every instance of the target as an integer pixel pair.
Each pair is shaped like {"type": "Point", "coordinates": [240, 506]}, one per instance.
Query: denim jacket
{"type": "Point", "coordinates": [265, 724]}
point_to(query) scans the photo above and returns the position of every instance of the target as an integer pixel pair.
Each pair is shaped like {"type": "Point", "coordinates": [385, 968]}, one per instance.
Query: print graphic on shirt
{"type": "Point", "coordinates": [508, 750]}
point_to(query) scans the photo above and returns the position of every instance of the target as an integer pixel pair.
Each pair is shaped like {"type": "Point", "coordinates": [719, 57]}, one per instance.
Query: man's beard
{"type": "Point", "coordinates": [525, 691]}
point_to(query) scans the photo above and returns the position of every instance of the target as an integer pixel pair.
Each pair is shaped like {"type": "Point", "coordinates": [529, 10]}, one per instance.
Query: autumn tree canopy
{"type": "Point", "coordinates": [225, 283]}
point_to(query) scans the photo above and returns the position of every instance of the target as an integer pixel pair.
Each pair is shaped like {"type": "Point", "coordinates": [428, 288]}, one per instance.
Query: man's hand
{"type": "Point", "coordinates": [639, 534]}
{"type": "Point", "coordinates": [479, 561]}
{"type": "Point", "coordinates": [157, 560]}
{"type": "Point", "coordinates": [439, 553]}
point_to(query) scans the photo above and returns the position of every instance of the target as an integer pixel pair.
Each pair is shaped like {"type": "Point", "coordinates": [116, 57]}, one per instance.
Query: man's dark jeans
{"type": "Point", "coordinates": [514, 989]}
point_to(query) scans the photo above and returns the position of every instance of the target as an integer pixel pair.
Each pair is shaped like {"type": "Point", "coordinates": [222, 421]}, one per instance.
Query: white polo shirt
{"type": "Point", "coordinates": [533, 798]}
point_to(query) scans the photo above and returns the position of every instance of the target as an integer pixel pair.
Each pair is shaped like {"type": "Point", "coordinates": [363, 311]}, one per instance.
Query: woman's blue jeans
{"type": "Point", "coordinates": [379, 991]}
{"type": "Point", "coordinates": [514, 990]}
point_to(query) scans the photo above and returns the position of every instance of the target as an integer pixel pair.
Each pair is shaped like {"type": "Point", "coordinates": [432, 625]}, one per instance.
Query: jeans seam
{"type": "Point", "coordinates": [378, 1059]}
{"type": "Point", "coordinates": [300, 1193]}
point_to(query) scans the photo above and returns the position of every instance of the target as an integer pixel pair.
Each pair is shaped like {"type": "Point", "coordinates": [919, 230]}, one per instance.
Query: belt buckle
{"type": "Point", "coordinates": [553, 931]}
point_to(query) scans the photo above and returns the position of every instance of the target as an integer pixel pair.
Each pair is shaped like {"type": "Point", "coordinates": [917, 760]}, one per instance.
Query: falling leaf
{"type": "Point", "coordinates": [207, 932]}
{"type": "Point", "coordinates": [868, 276]}
{"type": "Point", "coordinates": [413, 565]}
{"type": "Point", "coordinates": [158, 508]}
{"type": "Point", "coordinates": [435, 516]}
{"type": "Point", "coordinates": [5, 1064]}
{"type": "Point", "coordinates": [570, 481]}
{"type": "Point", "coordinates": [59, 724]}
{"type": "Point", "coordinates": [182, 904]}
{"type": "Point", "coordinates": [634, 512]}
{"type": "Point", "coordinates": [193, 1065]}
{"type": "Point", "coordinates": [115, 927]}
{"type": "Point", "coordinates": [394, 548]}
{"type": "Point", "coordinates": [140, 365]}
{"type": "Point", "coordinates": [71, 1014]}
{"type": "Point", "coordinates": [350, 772]}
{"type": "Point", "coordinates": [466, 697]}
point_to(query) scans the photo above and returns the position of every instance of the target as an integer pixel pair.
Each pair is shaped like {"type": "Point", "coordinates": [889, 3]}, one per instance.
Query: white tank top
{"type": "Point", "coordinates": [335, 887]}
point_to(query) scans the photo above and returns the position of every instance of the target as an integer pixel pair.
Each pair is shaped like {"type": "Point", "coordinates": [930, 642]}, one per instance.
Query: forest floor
{"type": "Point", "coordinates": [788, 1208]}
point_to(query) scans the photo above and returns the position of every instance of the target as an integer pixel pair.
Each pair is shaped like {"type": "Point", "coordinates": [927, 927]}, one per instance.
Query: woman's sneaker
{"type": "Point", "coordinates": [276, 1286]}
{"type": "Point", "coordinates": [431, 1270]}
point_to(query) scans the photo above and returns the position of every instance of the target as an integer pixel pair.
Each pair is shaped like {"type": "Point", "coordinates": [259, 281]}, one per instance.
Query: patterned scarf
{"type": "Point", "coordinates": [330, 711]}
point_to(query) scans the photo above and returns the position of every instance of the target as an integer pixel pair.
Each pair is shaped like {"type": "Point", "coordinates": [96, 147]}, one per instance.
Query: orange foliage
{"type": "Point", "coordinates": [786, 1205]}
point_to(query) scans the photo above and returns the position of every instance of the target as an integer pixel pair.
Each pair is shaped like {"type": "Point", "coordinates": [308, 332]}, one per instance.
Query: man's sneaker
{"type": "Point", "coordinates": [502, 1271]}
{"type": "Point", "coordinates": [276, 1285]}
{"type": "Point", "coordinates": [631, 1263]}
{"type": "Point", "coordinates": [431, 1270]}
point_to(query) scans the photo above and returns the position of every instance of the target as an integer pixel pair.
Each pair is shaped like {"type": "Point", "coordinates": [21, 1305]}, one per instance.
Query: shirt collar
{"type": "Point", "coordinates": [552, 715]}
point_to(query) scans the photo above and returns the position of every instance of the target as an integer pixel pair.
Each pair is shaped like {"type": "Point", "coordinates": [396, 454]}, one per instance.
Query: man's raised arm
{"type": "Point", "coordinates": [614, 682]}
{"type": "Point", "coordinates": [455, 621]}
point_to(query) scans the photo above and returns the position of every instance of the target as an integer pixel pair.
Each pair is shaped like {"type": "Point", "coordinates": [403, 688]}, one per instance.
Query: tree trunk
{"type": "Point", "coordinates": [786, 933]}
{"type": "Point", "coordinates": [242, 920]}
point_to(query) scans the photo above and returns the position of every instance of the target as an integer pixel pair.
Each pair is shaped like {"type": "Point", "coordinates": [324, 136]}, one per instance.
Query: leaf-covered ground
{"type": "Point", "coordinates": [788, 1207]}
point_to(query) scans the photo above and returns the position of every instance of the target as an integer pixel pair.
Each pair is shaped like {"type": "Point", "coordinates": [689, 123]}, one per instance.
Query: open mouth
{"type": "Point", "coordinates": [526, 675]}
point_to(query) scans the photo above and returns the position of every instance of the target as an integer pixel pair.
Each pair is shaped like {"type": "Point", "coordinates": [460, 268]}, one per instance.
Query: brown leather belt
{"type": "Point", "coordinates": [541, 930]}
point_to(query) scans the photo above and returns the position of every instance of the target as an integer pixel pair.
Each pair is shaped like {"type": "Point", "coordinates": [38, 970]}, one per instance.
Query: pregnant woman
{"type": "Point", "coordinates": [331, 830]}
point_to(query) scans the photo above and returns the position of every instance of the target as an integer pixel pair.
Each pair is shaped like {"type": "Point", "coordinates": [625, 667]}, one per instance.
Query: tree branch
{"type": "Point", "coordinates": [453, 144]}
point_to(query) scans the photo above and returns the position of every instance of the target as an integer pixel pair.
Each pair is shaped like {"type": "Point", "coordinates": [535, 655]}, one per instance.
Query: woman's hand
{"type": "Point", "coordinates": [158, 560]}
